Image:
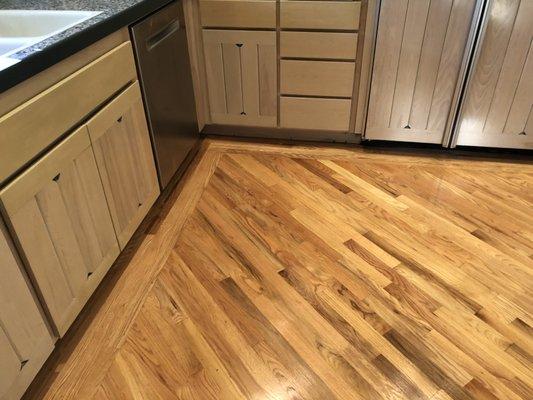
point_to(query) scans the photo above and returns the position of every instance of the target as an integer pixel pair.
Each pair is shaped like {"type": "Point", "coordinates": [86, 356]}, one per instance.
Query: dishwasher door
{"type": "Point", "coordinates": [162, 53]}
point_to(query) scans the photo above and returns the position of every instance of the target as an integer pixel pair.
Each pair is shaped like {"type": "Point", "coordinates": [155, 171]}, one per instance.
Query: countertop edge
{"type": "Point", "coordinates": [40, 61]}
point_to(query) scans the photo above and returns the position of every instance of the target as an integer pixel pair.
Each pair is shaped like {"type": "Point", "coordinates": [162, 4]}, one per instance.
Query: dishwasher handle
{"type": "Point", "coordinates": [154, 40]}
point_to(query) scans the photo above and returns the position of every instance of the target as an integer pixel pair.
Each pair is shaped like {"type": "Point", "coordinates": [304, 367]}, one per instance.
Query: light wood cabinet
{"type": "Point", "coordinates": [30, 128]}
{"type": "Point", "coordinates": [419, 52]}
{"type": "Point", "coordinates": [25, 340]}
{"type": "Point", "coordinates": [59, 215]}
{"type": "Point", "coordinates": [327, 15]}
{"type": "Point", "coordinates": [315, 113]}
{"type": "Point", "coordinates": [123, 151]}
{"type": "Point", "coordinates": [317, 78]}
{"type": "Point", "coordinates": [498, 108]}
{"type": "Point", "coordinates": [241, 77]}
{"type": "Point", "coordinates": [238, 13]}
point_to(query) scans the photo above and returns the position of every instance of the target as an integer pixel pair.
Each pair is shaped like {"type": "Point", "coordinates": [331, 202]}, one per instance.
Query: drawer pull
{"type": "Point", "coordinates": [407, 127]}
{"type": "Point", "coordinates": [56, 178]}
{"type": "Point", "coordinates": [119, 120]}
{"type": "Point", "coordinates": [523, 133]}
{"type": "Point", "coordinates": [23, 364]}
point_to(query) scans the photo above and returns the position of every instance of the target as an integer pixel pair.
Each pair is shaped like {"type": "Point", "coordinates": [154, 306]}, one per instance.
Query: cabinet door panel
{"type": "Point", "coordinates": [60, 216]}
{"type": "Point", "coordinates": [25, 341]}
{"type": "Point", "coordinates": [9, 363]}
{"type": "Point", "coordinates": [123, 151]}
{"type": "Point", "coordinates": [499, 98]}
{"type": "Point", "coordinates": [241, 76]}
{"type": "Point", "coordinates": [419, 51]}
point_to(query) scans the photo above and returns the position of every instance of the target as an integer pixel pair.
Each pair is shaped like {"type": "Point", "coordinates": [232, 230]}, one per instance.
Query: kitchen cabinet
{"type": "Point", "coordinates": [497, 110]}
{"type": "Point", "coordinates": [317, 78]}
{"type": "Point", "coordinates": [419, 54]}
{"type": "Point", "coordinates": [121, 143]}
{"type": "Point", "coordinates": [326, 15]}
{"type": "Point", "coordinates": [59, 215]}
{"type": "Point", "coordinates": [321, 45]}
{"type": "Point", "coordinates": [25, 340]}
{"type": "Point", "coordinates": [241, 76]}
{"type": "Point", "coordinates": [238, 13]}
{"type": "Point", "coordinates": [315, 113]}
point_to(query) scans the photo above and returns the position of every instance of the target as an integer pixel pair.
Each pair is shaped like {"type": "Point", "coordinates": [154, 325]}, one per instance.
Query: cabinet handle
{"type": "Point", "coordinates": [56, 178]}
{"type": "Point", "coordinates": [120, 119]}
{"type": "Point", "coordinates": [239, 44]}
{"type": "Point", "coordinates": [23, 364]}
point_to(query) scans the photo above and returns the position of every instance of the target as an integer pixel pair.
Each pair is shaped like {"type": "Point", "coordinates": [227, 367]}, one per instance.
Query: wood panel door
{"type": "Point", "coordinates": [498, 107]}
{"type": "Point", "coordinates": [241, 77]}
{"type": "Point", "coordinates": [123, 151]}
{"type": "Point", "coordinates": [25, 341]}
{"type": "Point", "coordinates": [419, 52]}
{"type": "Point", "coordinates": [59, 214]}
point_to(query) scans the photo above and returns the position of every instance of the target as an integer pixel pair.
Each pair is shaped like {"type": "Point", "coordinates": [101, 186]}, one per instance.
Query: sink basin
{"type": "Point", "coordinates": [20, 29]}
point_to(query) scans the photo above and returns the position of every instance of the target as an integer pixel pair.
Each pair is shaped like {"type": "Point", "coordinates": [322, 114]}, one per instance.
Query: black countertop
{"type": "Point", "coordinates": [114, 15]}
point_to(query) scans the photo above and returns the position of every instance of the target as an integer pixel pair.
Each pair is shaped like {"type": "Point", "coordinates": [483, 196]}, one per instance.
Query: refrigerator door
{"type": "Point", "coordinates": [163, 60]}
{"type": "Point", "coordinates": [498, 105]}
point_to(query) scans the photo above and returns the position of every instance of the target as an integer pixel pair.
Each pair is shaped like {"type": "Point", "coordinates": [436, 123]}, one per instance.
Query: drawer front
{"type": "Point", "coordinates": [238, 14]}
{"type": "Point", "coordinates": [315, 113]}
{"type": "Point", "coordinates": [317, 78]}
{"type": "Point", "coordinates": [327, 45]}
{"type": "Point", "coordinates": [339, 15]}
{"type": "Point", "coordinates": [60, 217]}
{"type": "Point", "coordinates": [30, 128]}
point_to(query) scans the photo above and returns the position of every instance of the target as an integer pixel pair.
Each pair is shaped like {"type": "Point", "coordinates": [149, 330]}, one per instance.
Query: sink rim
{"type": "Point", "coordinates": [84, 15]}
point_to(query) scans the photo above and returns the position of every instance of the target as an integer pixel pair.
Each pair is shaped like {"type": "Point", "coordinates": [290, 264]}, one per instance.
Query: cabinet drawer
{"type": "Point", "coordinates": [315, 113]}
{"type": "Point", "coordinates": [59, 214]}
{"type": "Point", "coordinates": [328, 45]}
{"type": "Point", "coordinates": [34, 125]}
{"type": "Point", "coordinates": [123, 151]}
{"type": "Point", "coordinates": [238, 13]}
{"type": "Point", "coordinates": [317, 78]}
{"type": "Point", "coordinates": [339, 15]}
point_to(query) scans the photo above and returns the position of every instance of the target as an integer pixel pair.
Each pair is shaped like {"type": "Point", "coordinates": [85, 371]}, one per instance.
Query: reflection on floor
{"type": "Point", "coordinates": [318, 273]}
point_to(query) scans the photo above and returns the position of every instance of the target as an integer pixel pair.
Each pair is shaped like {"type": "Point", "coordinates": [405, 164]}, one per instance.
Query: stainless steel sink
{"type": "Point", "coordinates": [20, 29]}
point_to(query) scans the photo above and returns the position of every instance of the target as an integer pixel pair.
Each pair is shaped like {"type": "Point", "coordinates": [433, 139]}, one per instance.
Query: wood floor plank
{"type": "Point", "coordinates": [306, 272]}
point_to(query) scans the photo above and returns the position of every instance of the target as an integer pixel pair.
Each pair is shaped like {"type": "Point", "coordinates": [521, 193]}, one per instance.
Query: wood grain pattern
{"type": "Point", "coordinates": [419, 50]}
{"type": "Point", "coordinates": [327, 45]}
{"type": "Point", "coordinates": [322, 273]}
{"type": "Point", "coordinates": [299, 77]}
{"type": "Point", "coordinates": [241, 76]}
{"type": "Point", "coordinates": [123, 152]}
{"type": "Point", "coordinates": [31, 127]}
{"type": "Point", "coordinates": [499, 99]}
{"type": "Point", "coordinates": [335, 15]}
{"type": "Point", "coordinates": [238, 13]}
{"type": "Point", "coordinates": [62, 222]}
{"type": "Point", "coordinates": [25, 339]}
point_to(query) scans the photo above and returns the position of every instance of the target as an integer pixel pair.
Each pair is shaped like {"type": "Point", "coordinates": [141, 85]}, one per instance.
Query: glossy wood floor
{"type": "Point", "coordinates": [284, 272]}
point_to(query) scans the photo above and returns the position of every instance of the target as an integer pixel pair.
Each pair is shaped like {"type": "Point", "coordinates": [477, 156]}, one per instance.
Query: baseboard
{"type": "Point", "coordinates": [282, 133]}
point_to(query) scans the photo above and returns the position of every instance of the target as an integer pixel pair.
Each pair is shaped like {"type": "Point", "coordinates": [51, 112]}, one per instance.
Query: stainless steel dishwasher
{"type": "Point", "coordinates": [162, 54]}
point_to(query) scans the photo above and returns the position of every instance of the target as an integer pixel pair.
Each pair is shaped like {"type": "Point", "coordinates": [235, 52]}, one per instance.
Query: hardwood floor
{"type": "Point", "coordinates": [294, 272]}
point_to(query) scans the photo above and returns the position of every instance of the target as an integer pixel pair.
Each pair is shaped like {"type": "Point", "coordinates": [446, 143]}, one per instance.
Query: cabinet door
{"type": "Point", "coordinates": [59, 214]}
{"type": "Point", "coordinates": [123, 151]}
{"type": "Point", "coordinates": [25, 341]}
{"type": "Point", "coordinates": [498, 106]}
{"type": "Point", "coordinates": [241, 77]}
{"type": "Point", "coordinates": [420, 47]}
